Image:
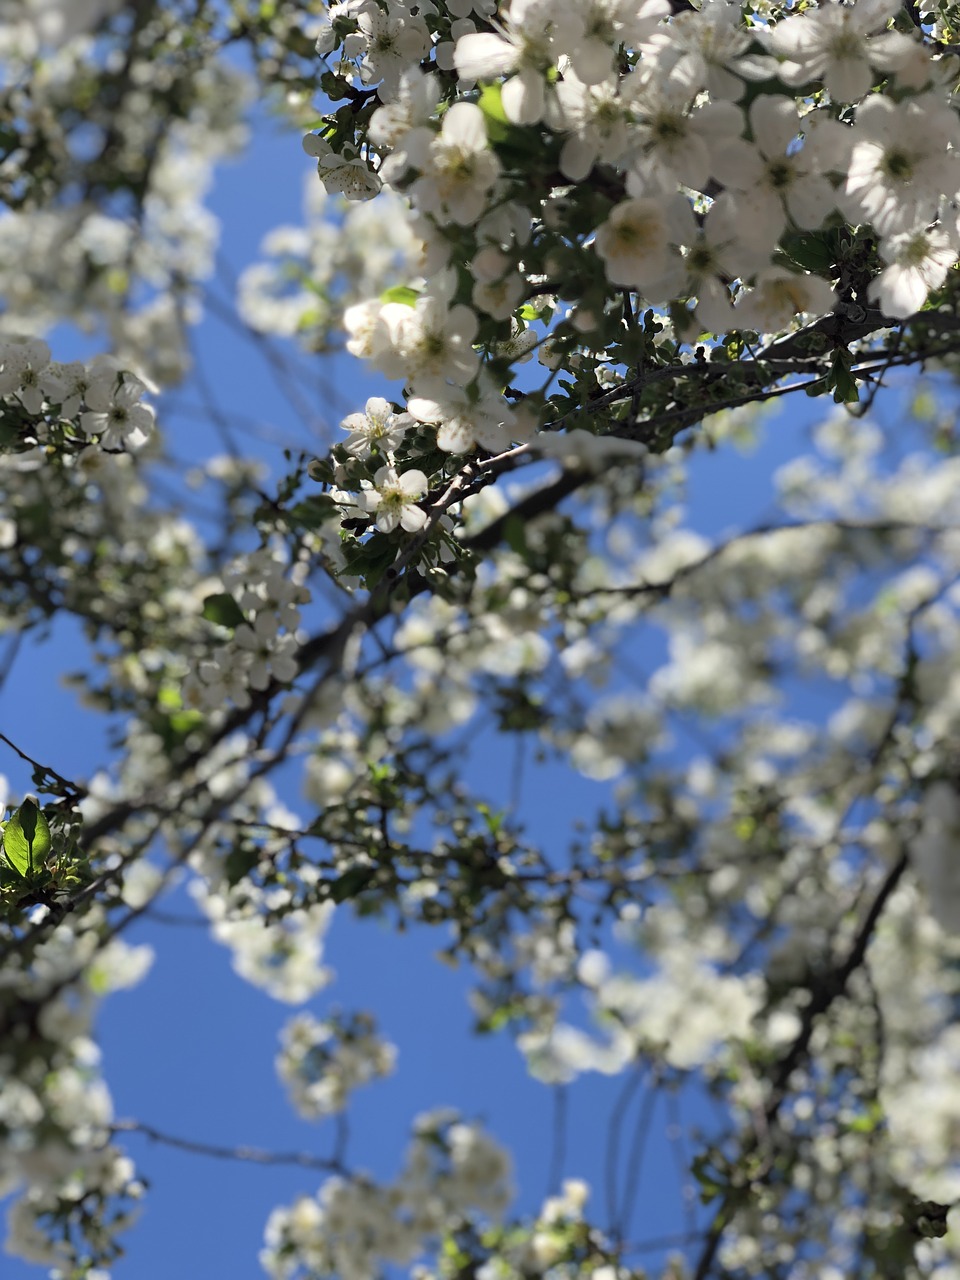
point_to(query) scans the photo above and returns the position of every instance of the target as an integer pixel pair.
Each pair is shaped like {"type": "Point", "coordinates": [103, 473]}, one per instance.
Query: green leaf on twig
{"type": "Point", "coordinates": [26, 839]}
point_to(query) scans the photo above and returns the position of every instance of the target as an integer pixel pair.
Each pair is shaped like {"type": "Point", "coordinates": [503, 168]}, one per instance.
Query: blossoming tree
{"type": "Point", "coordinates": [588, 241]}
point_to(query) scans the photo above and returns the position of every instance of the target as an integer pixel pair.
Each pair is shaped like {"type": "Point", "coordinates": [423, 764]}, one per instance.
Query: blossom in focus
{"type": "Point", "coordinates": [378, 427]}
{"type": "Point", "coordinates": [343, 173]}
{"type": "Point", "coordinates": [395, 40]}
{"type": "Point", "coordinates": [772, 176]}
{"type": "Point", "coordinates": [394, 497]}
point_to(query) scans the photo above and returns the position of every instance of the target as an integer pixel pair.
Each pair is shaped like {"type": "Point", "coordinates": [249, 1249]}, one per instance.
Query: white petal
{"type": "Point", "coordinates": [456, 436]}
{"type": "Point", "coordinates": [463, 124]}
{"type": "Point", "coordinates": [484, 56]}
{"type": "Point", "coordinates": [775, 122]}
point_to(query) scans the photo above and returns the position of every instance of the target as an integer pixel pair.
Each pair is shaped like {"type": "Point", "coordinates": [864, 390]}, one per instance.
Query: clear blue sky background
{"type": "Point", "coordinates": [191, 1049]}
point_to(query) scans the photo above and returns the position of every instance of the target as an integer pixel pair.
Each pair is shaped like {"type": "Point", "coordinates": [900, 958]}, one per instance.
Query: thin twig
{"type": "Point", "coordinates": [558, 1151]}
{"type": "Point", "coordinates": [72, 789]}
{"type": "Point", "coordinates": [249, 1155]}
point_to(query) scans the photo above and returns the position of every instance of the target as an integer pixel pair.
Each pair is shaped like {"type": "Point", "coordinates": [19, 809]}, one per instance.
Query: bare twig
{"type": "Point", "coordinates": [249, 1155]}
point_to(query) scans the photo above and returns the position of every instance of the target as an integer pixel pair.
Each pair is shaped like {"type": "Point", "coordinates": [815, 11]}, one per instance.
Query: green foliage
{"type": "Point", "coordinates": [223, 609]}
{"type": "Point", "coordinates": [26, 839]}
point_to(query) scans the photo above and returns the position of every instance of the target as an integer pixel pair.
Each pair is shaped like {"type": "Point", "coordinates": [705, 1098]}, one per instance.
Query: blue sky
{"type": "Point", "coordinates": [191, 1050]}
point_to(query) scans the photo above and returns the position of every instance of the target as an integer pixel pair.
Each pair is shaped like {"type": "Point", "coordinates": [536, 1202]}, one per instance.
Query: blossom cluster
{"type": "Point", "coordinates": [729, 166]}
{"type": "Point", "coordinates": [635, 191]}
{"type": "Point", "coordinates": [75, 1191]}
{"type": "Point", "coordinates": [354, 1225]}
{"type": "Point", "coordinates": [265, 594]}
{"type": "Point", "coordinates": [307, 276]}
{"type": "Point", "coordinates": [322, 1062]}
{"type": "Point", "coordinates": [128, 265]}
{"type": "Point", "coordinates": [99, 401]}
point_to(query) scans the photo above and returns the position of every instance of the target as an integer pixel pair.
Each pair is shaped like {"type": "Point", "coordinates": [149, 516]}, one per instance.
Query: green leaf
{"type": "Point", "coordinates": [493, 821]}
{"type": "Point", "coordinates": [401, 293]}
{"type": "Point", "coordinates": [351, 883]}
{"type": "Point", "coordinates": [491, 103]}
{"type": "Point", "coordinates": [223, 609]}
{"type": "Point", "coordinates": [501, 132]}
{"type": "Point", "coordinates": [371, 559]}
{"type": "Point", "coordinates": [184, 722]}
{"type": "Point", "coordinates": [814, 251]}
{"type": "Point", "coordinates": [239, 862]}
{"type": "Point", "coordinates": [169, 698]}
{"type": "Point", "coordinates": [841, 381]}
{"type": "Point", "coordinates": [313, 512]}
{"type": "Point", "coordinates": [26, 839]}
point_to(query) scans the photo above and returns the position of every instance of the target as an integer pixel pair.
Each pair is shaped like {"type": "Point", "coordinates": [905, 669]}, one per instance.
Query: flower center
{"type": "Point", "coordinates": [897, 165]}
{"type": "Point", "coordinates": [669, 127]}
{"type": "Point", "coordinates": [916, 252]}
{"type": "Point", "coordinates": [700, 259]}
{"type": "Point", "coordinates": [846, 46]}
{"type": "Point", "coordinates": [779, 174]}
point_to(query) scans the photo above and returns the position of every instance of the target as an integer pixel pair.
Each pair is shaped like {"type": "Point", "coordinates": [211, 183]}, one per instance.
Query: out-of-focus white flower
{"type": "Point", "coordinates": [115, 414]}
{"type": "Point", "coordinates": [935, 853]}
{"type": "Point", "coordinates": [457, 167]}
{"type": "Point", "coordinates": [835, 45]}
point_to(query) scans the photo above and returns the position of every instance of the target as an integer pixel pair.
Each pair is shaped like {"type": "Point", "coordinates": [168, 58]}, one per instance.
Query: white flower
{"type": "Point", "coordinates": [283, 957]}
{"type": "Point", "coordinates": [773, 175]}
{"type": "Point", "coordinates": [394, 499]}
{"type": "Point", "coordinates": [780, 295]}
{"type": "Point", "coordinates": [272, 654]}
{"type": "Point", "coordinates": [466, 422]}
{"type": "Point", "coordinates": [57, 21]}
{"type": "Point", "coordinates": [457, 166]}
{"type": "Point", "coordinates": [918, 262]}
{"type": "Point", "coordinates": [590, 32]}
{"type": "Point", "coordinates": [416, 99]}
{"type": "Point", "coordinates": [834, 45]}
{"type": "Point", "coordinates": [498, 288]}
{"type": "Point", "coordinates": [698, 49]}
{"type": "Point", "coordinates": [674, 143]}
{"type": "Point", "coordinates": [24, 361]}
{"type": "Point", "coordinates": [524, 49]}
{"type": "Point", "coordinates": [633, 241]}
{"type": "Point", "coordinates": [322, 1062]}
{"type": "Point", "coordinates": [717, 254]}
{"type": "Point", "coordinates": [595, 119]}
{"type": "Point", "coordinates": [114, 412]}
{"type": "Point", "coordinates": [343, 174]}
{"type": "Point", "coordinates": [430, 343]}
{"type": "Point", "coordinates": [368, 335]}
{"type": "Point", "coordinates": [377, 427]}
{"type": "Point", "coordinates": [395, 42]}
{"type": "Point", "coordinates": [900, 165]}
{"type": "Point", "coordinates": [65, 385]}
